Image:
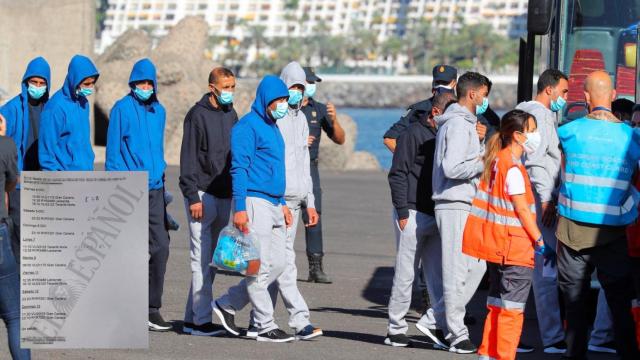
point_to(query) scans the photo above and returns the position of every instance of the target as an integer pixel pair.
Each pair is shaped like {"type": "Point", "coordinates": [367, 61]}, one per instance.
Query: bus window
{"type": "Point", "coordinates": [599, 35]}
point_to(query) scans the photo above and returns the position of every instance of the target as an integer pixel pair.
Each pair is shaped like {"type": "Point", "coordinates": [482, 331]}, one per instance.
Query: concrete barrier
{"type": "Point", "coordinates": [54, 29]}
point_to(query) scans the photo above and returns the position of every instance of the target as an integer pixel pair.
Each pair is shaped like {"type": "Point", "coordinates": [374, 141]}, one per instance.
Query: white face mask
{"type": "Point", "coordinates": [532, 143]}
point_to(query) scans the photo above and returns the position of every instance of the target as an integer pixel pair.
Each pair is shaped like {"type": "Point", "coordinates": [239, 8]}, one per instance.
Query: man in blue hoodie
{"type": "Point", "coordinates": [22, 115]}
{"type": "Point", "coordinates": [258, 187]}
{"type": "Point", "coordinates": [65, 136]}
{"type": "Point", "coordinates": [135, 142]}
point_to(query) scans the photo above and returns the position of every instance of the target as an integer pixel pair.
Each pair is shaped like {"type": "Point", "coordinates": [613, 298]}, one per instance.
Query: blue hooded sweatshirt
{"type": "Point", "coordinates": [135, 139]}
{"type": "Point", "coordinates": [16, 112]}
{"type": "Point", "coordinates": [65, 135]}
{"type": "Point", "coordinates": [257, 149]}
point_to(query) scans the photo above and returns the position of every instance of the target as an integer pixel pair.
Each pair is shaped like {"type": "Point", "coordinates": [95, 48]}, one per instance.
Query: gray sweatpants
{"type": "Point", "coordinates": [461, 274]}
{"type": "Point", "coordinates": [287, 281]}
{"type": "Point", "coordinates": [267, 221]}
{"type": "Point", "coordinates": [545, 290]}
{"type": "Point", "coordinates": [203, 235]}
{"type": "Point", "coordinates": [418, 241]}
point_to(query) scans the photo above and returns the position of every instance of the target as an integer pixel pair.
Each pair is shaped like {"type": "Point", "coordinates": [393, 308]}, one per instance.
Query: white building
{"type": "Point", "coordinates": [300, 17]}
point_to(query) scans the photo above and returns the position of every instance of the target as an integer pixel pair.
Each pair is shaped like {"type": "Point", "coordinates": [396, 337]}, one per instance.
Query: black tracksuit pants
{"type": "Point", "coordinates": [158, 248]}
{"type": "Point", "coordinates": [614, 273]}
{"type": "Point", "coordinates": [313, 234]}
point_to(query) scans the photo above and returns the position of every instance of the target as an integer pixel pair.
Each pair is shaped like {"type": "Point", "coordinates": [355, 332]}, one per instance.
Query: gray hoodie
{"type": "Point", "coordinates": [543, 165]}
{"type": "Point", "coordinates": [458, 159]}
{"type": "Point", "coordinates": [295, 132]}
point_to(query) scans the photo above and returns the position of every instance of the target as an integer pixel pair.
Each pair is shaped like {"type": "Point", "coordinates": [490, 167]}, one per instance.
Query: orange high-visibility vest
{"type": "Point", "coordinates": [493, 231]}
{"type": "Point", "coordinates": [633, 232]}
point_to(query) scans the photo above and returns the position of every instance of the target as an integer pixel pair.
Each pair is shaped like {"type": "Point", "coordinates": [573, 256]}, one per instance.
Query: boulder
{"type": "Point", "coordinates": [333, 156]}
{"type": "Point", "coordinates": [362, 160]}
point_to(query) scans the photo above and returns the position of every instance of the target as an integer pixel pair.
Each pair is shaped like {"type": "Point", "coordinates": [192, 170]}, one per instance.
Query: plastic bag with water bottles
{"type": "Point", "coordinates": [237, 251]}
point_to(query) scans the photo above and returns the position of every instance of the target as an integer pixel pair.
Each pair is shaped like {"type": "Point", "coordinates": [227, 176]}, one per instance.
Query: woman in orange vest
{"type": "Point", "coordinates": [502, 230]}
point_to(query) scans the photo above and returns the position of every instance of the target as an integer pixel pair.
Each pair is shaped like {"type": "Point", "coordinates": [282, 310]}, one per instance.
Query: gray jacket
{"type": "Point", "coordinates": [458, 159]}
{"type": "Point", "coordinates": [543, 166]}
{"type": "Point", "coordinates": [295, 132]}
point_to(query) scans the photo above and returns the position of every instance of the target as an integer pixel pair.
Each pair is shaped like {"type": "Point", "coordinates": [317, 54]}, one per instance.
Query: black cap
{"type": "Point", "coordinates": [311, 76]}
{"type": "Point", "coordinates": [444, 73]}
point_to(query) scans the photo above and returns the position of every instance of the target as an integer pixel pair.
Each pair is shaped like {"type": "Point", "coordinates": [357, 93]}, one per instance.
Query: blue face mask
{"type": "Point", "coordinates": [281, 110]}
{"type": "Point", "coordinates": [36, 92]}
{"type": "Point", "coordinates": [225, 97]}
{"type": "Point", "coordinates": [141, 94]}
{"type": "Point", "coordinates": [310, 90]}
{"type": "Point", "coordinates": [481, 109]}
{"type": "Point", "coordinates": [558, 104]}
{"type": "Point", "coordinates": [295, 96]}
{"type": "Point", "coordinates": [84, 92]}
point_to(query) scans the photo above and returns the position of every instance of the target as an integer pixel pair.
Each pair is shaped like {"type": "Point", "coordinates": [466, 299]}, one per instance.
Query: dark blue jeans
{"type": "Point", "coordinates": [10, 295]}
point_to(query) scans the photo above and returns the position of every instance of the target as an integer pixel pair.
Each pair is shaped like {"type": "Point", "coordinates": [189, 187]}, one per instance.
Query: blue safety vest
{"type": "Point", "coordinates": [600, 160]}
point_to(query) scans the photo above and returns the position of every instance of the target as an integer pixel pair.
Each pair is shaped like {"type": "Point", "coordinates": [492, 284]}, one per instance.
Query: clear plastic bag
{"type": "Point", "coordinates": [237, 252]}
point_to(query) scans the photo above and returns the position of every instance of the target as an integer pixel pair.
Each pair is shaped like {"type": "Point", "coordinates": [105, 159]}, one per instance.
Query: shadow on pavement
{"type": "Point", "coordinates": [371, 312]}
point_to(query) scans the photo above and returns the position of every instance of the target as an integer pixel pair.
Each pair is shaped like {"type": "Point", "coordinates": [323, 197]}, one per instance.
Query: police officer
{"type": "Point", "coordinates": [319, 117]}
{"type": "Point", "coordinates": [444, 80]}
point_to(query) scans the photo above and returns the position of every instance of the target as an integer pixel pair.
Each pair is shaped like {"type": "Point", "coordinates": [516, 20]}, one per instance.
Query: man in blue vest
{"type": "Point", "coordinates": [22, 114]}
{"type": "Point", "coordinates": [597, 200]}
{"type": "Point", "coordinates": [135, 143]}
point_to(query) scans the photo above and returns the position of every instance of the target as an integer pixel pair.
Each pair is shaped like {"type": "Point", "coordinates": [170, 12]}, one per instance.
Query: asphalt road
{"type": "Point", "coordinates": [360, 251]}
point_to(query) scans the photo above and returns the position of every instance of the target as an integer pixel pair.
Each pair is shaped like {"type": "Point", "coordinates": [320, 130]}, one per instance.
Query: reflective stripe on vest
{"type": "Point", "coordinates": [495, 218]}
{"type": "Point", "coordinates": [596, 181]}
{"type": "Point", "coordinates": [497, 202]}
{"type": "Point", "coordinates": [625, 208]}
{"type": "Point", "coordinates": [504, 304]}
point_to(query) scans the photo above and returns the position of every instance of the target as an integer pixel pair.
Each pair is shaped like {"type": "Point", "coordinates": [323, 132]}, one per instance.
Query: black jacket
{"type": "Point", "coordinates": [205, 156]}
{"type": "Point", "coordinates": [410, 174]}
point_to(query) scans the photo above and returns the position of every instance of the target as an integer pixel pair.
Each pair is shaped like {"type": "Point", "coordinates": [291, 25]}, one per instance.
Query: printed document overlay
{"type": "Point", "coordinates": [84, 267]}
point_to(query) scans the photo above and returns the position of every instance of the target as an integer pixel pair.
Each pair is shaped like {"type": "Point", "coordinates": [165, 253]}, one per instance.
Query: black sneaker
{"type": "Point", "coordinates": [308, 332]}
{"type": "Point", "coordinates": [558, 348]}
{"type": "Point", "coordinates": [524, 348]}
{"type": "Point", "coordinates": [276, 336]}
{"type": "Point", "coordinates": [436, 336]}
{"type": "Point", "coordinates": [252, 332]}
{"type": "Point", "coordinates": [157, 323]}
{"type": "Point", "coordinates": [187, 327]}
{"type": "Point", "coordinates": [208, 329]}
{"type": "Point", "coordinates": [226, 319]}
{"type": "Point", "coordinates": [464, 347]}
{"type": "Point", "coordinates": [607, 348]}
{"type": "Point", "coordinates": [397, 340]}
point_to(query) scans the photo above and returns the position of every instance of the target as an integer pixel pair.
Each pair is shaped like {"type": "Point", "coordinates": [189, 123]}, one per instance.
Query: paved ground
{"type": "Point", "coordinates": [352, 311]}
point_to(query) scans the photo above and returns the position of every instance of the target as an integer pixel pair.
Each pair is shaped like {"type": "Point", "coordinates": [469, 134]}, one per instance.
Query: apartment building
{"type": "Point", "coordinates": [300, 17]}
